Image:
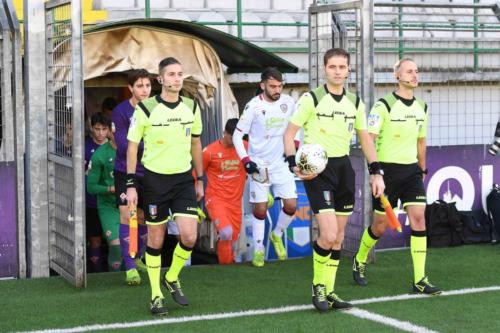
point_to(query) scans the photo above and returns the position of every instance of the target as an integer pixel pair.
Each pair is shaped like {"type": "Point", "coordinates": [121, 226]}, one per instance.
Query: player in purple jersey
{"type": "Point", "coordinates": [99, 131]}
{"type": "Point", "coordinates": [139, 85]}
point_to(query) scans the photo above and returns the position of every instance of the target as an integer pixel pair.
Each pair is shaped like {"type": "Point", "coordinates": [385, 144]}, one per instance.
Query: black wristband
{"type": "Point", "coordinates": [423, 171]}
{"type": "Point", "coordinates": [199, 178]}
{"type": "Point", "coordinates": [291, 162]}
{"type": "Point", "coordinates": [131, 180]}
{"type": "Point", "coordinates": [374, 168]}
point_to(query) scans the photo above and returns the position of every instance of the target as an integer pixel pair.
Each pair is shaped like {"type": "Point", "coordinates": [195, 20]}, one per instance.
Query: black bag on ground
{"type": "Point", "coordinates": [443, 224]}
{"type": "Point", "coordinates": [476, 227]}
{"type": "Point", "coordinates": [493, 207]}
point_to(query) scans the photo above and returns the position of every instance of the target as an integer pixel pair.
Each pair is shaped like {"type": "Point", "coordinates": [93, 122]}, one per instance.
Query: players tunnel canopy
{"type": "Point", "coordinates": [112, 49]}
{"type": "Point", "coordinates": [237, 55]}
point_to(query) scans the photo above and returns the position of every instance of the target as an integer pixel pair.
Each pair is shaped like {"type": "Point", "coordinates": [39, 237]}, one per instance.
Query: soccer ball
{"type": "Point", "coordinates": [311, 158]}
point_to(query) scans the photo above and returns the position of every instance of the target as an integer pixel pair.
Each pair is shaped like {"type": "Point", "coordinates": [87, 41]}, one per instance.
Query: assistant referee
{"type": "Point", "coordinates": [397, 123]}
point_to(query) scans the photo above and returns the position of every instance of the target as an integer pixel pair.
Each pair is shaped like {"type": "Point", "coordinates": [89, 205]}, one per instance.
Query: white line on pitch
{"type": "Point", "coordinates": [388, 321]}
{"type": "Point", "coordinates": [227, 315]}
{"type": "Point", "coordinates": [414, 296]}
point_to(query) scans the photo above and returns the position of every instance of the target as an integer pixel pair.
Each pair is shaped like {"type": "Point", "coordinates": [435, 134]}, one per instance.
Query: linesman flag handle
{"type": "Point", "coordinates": [132, 245]}
{"type": "Point", "coordinates": [393, 219]}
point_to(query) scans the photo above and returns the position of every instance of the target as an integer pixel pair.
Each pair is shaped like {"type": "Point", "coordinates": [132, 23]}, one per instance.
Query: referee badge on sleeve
{"type": "Point", "coordinates": [188, 131]}
{"type": "Point", "coordinates": [373, 120]}
{"type": "Point", "coordinates": [153, 211]}
{"type": "Point", "coordinates": [327, 195]}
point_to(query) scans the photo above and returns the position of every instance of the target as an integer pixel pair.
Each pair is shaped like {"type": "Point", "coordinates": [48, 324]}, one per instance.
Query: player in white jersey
{"type": "Point", "coordinates": [265, 119]}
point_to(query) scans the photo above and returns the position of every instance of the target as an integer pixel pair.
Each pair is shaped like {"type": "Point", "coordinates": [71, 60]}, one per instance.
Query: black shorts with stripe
{"type": "Point", "coordinates": [166, 195]}
{"type": "Point", "coordinates": [121, 189]}
{"type": "Point", "coordinates": [333, 189]}
{"type": "Point", "coordinates": [402, 182]}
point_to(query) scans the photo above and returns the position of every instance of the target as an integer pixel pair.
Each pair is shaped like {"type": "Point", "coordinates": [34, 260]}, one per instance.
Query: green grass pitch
{"type": "Point", "coordinates": [51, 303]}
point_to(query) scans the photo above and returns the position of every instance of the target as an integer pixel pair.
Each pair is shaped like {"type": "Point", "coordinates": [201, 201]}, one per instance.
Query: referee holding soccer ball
{"type": "Point", "coordinates": [329, 115]}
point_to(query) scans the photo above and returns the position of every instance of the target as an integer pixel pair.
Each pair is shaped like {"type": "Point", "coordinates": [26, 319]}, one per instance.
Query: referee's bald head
{"type": "Point", "coordinates": [399, 63]}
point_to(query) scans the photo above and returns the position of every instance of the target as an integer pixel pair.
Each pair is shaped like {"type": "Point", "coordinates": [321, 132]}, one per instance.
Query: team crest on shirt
{"type": "Point", "coordinates": [284, 108]}
{"type": "Point", "coordinates": [153, 211]}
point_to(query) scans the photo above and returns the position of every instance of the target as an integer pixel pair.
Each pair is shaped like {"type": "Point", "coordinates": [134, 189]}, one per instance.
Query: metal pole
{"type": "Point", "coordinates": [367, 90]}
{"type": "Point", "coordinates": [37, 224]}
{"type": "Point", "coordinates": [400, 32]}
{"type": "Point", "coordinates": [238, 18]}
{"type": "Point", "coordinates": [367, 53]}
{"type": "Point", "coordinates": [476, 35]}
{"type": "Point", "coordinates": [78, 142]}
{"type": "Point", "coordinates": [20, 136]}
{"type": "Point", "coordinates": [426, 4]}
{"type": "Point", "coordinates": [147, 9]}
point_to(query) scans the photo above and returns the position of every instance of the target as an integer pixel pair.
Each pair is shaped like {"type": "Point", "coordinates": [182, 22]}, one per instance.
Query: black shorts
{"type": "Point", "coordinates": [165, 194]}
{"type": "Point", "coordinates": [404, 182]}
{"type": "Point", "coordinates": [121, 189]}
{"type": "Point", "coordinates": [92, 222]}
{"type": "Point", "coordinates": [333, 190]}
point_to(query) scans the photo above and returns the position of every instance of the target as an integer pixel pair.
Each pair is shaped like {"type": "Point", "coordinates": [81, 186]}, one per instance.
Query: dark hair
{"type": "Point", "coordinates": [336, 52]}
{"type": "Point", "coordinates": [135, 75]}
{"type": "Point", "coordinates": [109, 103]}
{"type": "Point", "coordinates": [100, 118]}
{"type": "Point", "coordinates": [231, 126]}
{"type": "Point", "coordinates": [271, 73]}
{"type": "Point", "coordinates": [165, 62]}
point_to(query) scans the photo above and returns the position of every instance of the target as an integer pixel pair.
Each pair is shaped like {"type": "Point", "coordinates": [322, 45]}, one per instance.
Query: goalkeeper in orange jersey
{"type": "Point", "coordinates": [226, 181]}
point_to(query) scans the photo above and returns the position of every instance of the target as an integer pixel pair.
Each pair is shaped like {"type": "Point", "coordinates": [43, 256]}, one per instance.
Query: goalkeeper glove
{"type": "Point", "coordinates": [250, 166]}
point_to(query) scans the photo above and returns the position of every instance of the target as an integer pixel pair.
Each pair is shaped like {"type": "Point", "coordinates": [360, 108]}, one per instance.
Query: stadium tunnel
{"type": "Point", "coordinates": [207, 54]}
{"type": "Point", "coordinates": [111, 50]}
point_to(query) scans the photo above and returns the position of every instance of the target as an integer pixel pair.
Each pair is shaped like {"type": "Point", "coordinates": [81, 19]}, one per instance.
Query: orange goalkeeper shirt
{"type": "Point", "coordinates": [225, 173]}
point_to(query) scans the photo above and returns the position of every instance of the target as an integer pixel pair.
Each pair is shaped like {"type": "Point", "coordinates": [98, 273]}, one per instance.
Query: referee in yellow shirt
{"type": "Point", "coordinates": [170, 126]}
{"type": "Point", "coordinates": [397, 123]}
{"type": "Point", "coordinates": [329, 115]}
